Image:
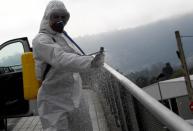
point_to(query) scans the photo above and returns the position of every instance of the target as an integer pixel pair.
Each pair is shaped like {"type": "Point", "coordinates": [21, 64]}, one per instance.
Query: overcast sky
{"type": "Point", "coordinates": [22, 17]}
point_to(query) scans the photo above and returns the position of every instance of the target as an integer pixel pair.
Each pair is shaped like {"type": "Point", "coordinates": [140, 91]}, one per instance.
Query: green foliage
{"type": "Point", "coordinates": [149, 76]}
{"type": "Point", "coordinates": [180, 73]}
{"type": "Point", "coordinates": [142, 81]}
{"type": "Point", "coordinates": [139, 78]}
{"type": "Point", "coordinates": [153, 80]}
{"type": "Point", "coordinates": [177, 73]}
{"type": "Point", "coordinates": [191, 70]}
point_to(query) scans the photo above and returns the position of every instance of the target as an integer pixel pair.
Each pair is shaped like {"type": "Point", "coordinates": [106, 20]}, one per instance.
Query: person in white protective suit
{"type": "Point", "coordinates": [60, 91]}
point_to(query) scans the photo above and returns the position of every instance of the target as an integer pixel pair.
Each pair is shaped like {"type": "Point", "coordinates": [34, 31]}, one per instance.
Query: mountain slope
{"type": "Point", "coordinates": [137, 48]}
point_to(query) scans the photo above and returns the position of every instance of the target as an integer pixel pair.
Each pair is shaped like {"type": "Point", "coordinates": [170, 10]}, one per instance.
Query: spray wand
{"type": "Point", "coordinates": [101, 48]}
{"type": "Point", "coordinates": [98, 52]}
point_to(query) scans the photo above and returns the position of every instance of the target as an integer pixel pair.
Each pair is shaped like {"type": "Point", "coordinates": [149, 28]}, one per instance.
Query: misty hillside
{"type": "Point", "coordinates": [133, 49]}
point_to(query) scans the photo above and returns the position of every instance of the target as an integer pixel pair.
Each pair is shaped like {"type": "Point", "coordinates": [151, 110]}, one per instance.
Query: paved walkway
{"type": "Point", "coordinates": [95, 111]}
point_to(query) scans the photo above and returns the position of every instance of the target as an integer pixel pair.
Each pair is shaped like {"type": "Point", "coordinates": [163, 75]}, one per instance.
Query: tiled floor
{"type": "Point", "coordinates": [95, 111]}
{"type": "Point", "coordinates": [28, 124]}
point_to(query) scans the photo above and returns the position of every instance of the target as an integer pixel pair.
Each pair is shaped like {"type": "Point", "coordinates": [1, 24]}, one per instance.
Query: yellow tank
{"type": "Point", "coordinates": [30, 83]}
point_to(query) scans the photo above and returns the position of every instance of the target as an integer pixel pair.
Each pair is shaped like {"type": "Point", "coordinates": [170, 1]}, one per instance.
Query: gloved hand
{"type": "Point", "coordinates": [98, 60]}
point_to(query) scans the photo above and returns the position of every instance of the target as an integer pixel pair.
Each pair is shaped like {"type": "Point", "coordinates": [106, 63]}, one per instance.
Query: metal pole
{"type": "Point", "coordinates": [184, 66]}
{"type": "Point", "coordinates": [160, 92]}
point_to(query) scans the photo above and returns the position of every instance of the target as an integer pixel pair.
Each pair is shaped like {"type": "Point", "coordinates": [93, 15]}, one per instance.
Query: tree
{"type": "Point", "coordinates": [178, 73]}
{"type": "Point", "coordinates": [166, 73]}
{"type": "Point", "coordinates": [142, 81]}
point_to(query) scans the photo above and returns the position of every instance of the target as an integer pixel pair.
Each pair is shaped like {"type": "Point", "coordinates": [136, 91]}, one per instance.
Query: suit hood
{"type": "Point", "coordinates": [52, 6]}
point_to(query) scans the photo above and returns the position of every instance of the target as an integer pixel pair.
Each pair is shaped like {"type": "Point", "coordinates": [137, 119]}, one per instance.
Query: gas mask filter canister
{"type": "Point", "coordinates": [58, 26]}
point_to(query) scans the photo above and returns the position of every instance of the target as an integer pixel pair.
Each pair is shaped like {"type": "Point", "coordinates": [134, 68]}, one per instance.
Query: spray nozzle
{"type": "Point", "coordinates": [101, 51]}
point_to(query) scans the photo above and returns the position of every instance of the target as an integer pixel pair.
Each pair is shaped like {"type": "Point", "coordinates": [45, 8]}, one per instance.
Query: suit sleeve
{"type": "Point", "coordinates": [46, 50]}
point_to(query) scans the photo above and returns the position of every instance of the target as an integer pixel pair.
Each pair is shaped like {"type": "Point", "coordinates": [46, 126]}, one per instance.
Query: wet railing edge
{"type": "Point", "coordinates": [167, 117]}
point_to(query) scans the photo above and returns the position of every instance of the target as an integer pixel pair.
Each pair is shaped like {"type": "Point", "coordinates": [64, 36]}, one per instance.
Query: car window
{"type": "Point", "coordinates": [10, 57]}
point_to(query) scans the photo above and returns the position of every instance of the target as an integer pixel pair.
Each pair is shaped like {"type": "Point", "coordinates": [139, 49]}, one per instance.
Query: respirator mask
{"type": "Point", "coordinates": [58, 26]}
{"type": "Point", "coordinates": [58, 20]}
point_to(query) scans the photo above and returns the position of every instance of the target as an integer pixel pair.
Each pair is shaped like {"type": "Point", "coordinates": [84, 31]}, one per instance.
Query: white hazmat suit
{"type": "Point", "coordinates": [60, 91]}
